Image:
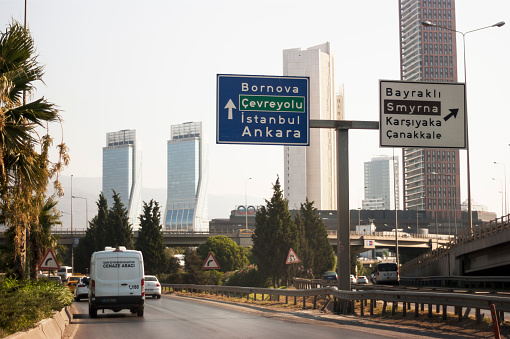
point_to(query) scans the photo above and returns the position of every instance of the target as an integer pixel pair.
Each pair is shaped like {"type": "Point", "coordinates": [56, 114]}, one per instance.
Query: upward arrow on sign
{"type": "Point", "coordinates": [230, 105]}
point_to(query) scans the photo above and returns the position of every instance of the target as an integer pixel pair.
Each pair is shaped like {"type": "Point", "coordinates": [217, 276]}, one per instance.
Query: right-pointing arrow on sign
{"type": "Point", "coordinates": [453, 113]}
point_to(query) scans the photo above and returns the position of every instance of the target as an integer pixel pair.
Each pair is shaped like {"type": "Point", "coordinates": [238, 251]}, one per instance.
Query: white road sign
{"type": "Point", "coordinates": [210, 263]}
{"type": "Point", "coordinates": [422, 114]}
{"type": "Point", "coordinates": [292, 258]}
{"type": "Point", "coordinates": [49, 261]}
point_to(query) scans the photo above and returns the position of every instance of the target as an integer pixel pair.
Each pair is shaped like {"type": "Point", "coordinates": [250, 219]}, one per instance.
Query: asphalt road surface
{"type": "Point", "coordinates": [180, 317]}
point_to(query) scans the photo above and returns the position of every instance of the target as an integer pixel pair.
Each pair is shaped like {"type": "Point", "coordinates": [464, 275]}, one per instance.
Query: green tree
{"type": "Point", "coordinates": [95, 236]}
{"type": "Point", "coordinates": [193, 265]}
{"type": "Point", "coordinates": [275, 234]}
{"type": "Point", "coordinates": [150, 239]}
{"type": "Point", "coordinates": [110, 227]}
{"type": "Point", "coordinates": [25, 168]}
{"type": "Point", "coordinates": [40, 237]}
{"type": "Point", "coordinates": [118, 227]}
{"type": "Point", "coordinates": [227, 253]}
{"type": "Point", "coordinates": [303, 251]}
{"type": "Point", "coordinates": [316, 234]}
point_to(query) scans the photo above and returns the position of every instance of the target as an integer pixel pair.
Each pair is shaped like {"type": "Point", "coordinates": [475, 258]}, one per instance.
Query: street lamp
{"type": "Point", "coordinates": [72, 245]}
{"type": "Point", "coordinates": [501, 183]}
{"type": "Point", "coordinates": [499, 24]}
{"type": "Point", "coordinates": [504, 172]}
{"type": "Point", "coordinates": [86, 210]}
{"type": "Point", "coordinates": [246, 201]}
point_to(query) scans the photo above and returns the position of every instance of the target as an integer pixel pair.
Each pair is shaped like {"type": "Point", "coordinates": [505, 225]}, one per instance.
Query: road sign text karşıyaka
{"type": "Point", "coordinates": [257, 109]}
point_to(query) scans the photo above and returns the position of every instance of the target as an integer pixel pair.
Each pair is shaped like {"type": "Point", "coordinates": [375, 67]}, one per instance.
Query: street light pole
{"type": "Point", "coordinates": [86, 210]}
{"type": "Point", "coordinates": [504, 173]}
{"type": "Point", "coordinates": [499, 24]}
{"type": "Point", "coordinates": [502, 199]}
{"type": "Point", "coordinates": [246, 201]}
{"type": "Point", "coordinates": [72, 244]}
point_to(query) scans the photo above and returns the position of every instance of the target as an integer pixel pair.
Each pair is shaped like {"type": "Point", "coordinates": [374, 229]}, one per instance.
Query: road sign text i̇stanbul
{"type": "Point", "coordinates": [272, 110]}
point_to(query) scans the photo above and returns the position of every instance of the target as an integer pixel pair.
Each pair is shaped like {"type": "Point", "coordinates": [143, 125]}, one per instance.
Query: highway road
{"type": "Point", "coordinates": [180, 317]}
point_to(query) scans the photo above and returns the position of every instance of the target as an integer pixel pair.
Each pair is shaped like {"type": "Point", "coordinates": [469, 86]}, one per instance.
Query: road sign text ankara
{"type": "Point", "coordinates": [422, 114]}
{"type": "Point", "coordinates": [254, 109]}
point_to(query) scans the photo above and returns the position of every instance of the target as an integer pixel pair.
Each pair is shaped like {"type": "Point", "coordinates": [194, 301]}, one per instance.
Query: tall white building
{"type": "Point", "coordinates": [380, 175]}
{"type": "Point", "coordinates": [310, 172]}
{"type": "Point", "coordinates": [187, 174]}
{"type": "Point", "coordinates": [122, 172]}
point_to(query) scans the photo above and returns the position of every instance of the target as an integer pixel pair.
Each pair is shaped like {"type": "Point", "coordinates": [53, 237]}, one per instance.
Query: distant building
{"type": "Point", "coordinates": [122, 172]}
{"type": "Point", "coordinates": [310, 172]}
{"type": "Point", "coordinates": [380, 191]}
{"type": "Point", "coordinates": [187, 175]}
{"type": "Point", "coordinates": [431, 177]}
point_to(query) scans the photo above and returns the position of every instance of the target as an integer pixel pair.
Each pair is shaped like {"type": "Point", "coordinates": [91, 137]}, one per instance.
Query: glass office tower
{"type": "Point", "coordinates": [187, 167]}
{"type": "Point", "coordinates": [122, 172]}
{"type": "Point", "coordinates": [380, 191]}
{"type": "Point", "coordinates": [432, 175]}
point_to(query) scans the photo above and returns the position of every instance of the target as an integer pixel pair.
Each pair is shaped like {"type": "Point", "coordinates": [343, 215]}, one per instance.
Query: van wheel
{"type": "Point", "coordinates": [77, 299]}
{"type": "Point", "coordinates": [140, 312]}
{"type": "Point", "coordinates": [159, 296]}
{"type": "Point", "coordinates": [92, 311]}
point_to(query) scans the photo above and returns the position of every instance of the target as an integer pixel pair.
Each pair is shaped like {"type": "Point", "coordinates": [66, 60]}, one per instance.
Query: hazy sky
{"type": "Point", "coordinates": [147, 65]}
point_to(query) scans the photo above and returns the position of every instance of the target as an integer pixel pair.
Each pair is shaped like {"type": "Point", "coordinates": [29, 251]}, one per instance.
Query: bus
{"type": "Point", "coordinates": [65, 272]}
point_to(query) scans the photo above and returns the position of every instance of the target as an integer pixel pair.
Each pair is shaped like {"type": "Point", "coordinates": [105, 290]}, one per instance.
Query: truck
{"type": "Point", "coordinates": [116, 281]}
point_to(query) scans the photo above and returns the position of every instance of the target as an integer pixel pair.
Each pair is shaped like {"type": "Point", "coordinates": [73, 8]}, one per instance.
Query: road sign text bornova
{"type": "Point", "coordinates": [422, 114]}
{"type": "Point", "coordinates": [253, 109]}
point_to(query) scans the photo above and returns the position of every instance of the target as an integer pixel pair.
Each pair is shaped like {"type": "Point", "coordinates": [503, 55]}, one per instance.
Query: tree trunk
{"type": "Point", "coordinates": [20, 252]}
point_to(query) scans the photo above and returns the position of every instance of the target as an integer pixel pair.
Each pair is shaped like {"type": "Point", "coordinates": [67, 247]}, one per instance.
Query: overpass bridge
{"type": "Point", "coordinates": [360, 241]}
{"type": "Point", "coordinates": [483, 251]}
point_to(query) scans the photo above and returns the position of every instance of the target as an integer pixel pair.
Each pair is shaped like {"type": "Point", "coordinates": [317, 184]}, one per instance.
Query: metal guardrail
{"type": "Point", "coordinates": [468, 301]}
{"type": "Point", "coordinates": [479, 232]}
{"type": "Point", "coordinates": [482, 282]}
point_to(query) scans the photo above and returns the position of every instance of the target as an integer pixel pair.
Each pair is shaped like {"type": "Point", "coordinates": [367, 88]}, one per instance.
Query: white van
{"type": "Point", "coordinates": [116, 281]}
{"type": "Point", "coordinates": [387, 273]}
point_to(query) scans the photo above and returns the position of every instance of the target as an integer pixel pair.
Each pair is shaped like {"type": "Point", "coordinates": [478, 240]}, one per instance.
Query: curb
{"type": "Point", "coordinates": [52, 328]}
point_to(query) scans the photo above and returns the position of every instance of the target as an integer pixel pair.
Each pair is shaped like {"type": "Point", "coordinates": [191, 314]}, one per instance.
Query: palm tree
{"type": "Point", "coordinates": [40, 237]}
{"type": "Point", "coordinates": [24, 170]}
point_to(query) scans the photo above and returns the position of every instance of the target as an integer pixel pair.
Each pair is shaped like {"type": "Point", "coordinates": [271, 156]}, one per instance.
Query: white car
{"type": "Point", "coordinates": [353, 279]}
{"type": "Point", "coordinates": [362, 279]}
{"type": "Point", "coordinates": [152, 286]}
{"type": "Point", "coordinates": [81, 290]}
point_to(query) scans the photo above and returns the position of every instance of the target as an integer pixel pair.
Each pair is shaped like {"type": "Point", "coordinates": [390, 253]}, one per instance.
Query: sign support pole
{"type": "Point", "coordinates": [343, 213]}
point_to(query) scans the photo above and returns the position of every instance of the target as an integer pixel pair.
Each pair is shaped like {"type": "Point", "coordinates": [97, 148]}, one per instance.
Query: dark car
{"type": "Point", "coordinates": [329, 275]}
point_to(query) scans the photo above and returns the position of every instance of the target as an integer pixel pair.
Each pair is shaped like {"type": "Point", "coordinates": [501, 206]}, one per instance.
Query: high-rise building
{"type": "Point", "coordinates": [122, 172]}
{"type": "Point", "coordinates": [381, 193]}
{"type": "Point", "coordinates": [432, 175]}
{"type": "Point", "coordinates": [310, 172]}
{"type": "Point", "coordinates": [187, 174]}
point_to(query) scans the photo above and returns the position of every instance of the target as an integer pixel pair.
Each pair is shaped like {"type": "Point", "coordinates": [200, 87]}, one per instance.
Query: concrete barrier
{"type": "Point", "coordinates": [52, 328]}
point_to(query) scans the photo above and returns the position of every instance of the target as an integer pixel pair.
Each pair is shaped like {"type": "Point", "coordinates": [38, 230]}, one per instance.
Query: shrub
{"type": "Point", "coordinates": [247, 277]}
{"type": "Point", "coordinates": [24, 303]}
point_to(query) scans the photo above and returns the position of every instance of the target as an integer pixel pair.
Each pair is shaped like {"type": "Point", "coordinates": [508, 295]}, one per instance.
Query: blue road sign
{"type": "Point", "coordinates": [270, 110]}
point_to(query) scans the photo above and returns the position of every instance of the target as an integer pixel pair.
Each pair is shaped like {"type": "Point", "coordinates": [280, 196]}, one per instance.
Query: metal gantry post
{"type": "Point", "coordinates": [343, 213]}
